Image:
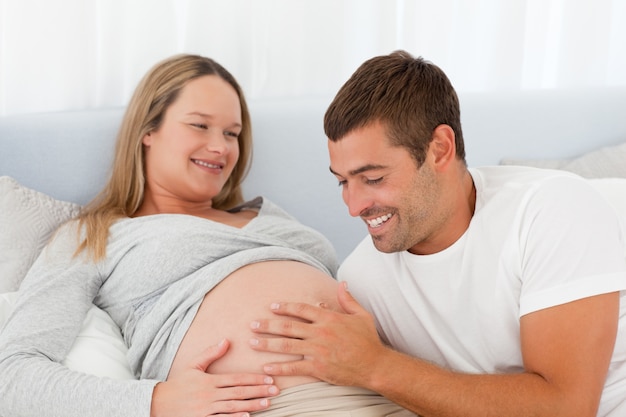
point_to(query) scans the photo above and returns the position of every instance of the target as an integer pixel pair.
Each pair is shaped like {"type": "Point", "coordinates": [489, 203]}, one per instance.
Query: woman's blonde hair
{"type": "Point", "coordinates": [124, 191]}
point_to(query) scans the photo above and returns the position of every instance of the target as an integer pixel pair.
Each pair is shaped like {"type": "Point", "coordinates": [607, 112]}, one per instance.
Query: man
{"type": "Point", "coordinates": [497, 291]}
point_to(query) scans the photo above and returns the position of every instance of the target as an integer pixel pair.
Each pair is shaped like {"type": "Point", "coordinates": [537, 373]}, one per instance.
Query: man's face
{"type": "Point", "coordinates": [381, 183]}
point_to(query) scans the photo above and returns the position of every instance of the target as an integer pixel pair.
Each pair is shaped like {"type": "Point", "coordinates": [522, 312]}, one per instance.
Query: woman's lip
{"type": "Point", "coordinates": [208, 164]}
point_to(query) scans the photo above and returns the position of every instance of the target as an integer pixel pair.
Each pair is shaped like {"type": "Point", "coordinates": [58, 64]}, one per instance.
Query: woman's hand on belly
{"type": "Point", "coordinates": [195, 392]}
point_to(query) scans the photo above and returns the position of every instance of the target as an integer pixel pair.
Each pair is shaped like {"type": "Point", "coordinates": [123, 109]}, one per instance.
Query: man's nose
{"type": "Point", "coordinates": [356, 199]}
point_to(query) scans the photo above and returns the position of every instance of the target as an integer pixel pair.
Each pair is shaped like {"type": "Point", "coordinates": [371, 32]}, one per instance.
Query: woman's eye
{"type": "Point", "coordinates": [374, 181]}
{"type": "Point", "coordinates": [200, 125]}
{"type": "Point", "coordinates": [231, 134]}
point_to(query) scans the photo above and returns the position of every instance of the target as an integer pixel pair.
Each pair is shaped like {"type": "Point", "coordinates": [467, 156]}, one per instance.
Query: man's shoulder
{"type": "Point", "coordinates": [365, 246]}
{"type": "Point", "coordinates": [518, 174]}
{"type": "Point", "coordinates": [519, 180]}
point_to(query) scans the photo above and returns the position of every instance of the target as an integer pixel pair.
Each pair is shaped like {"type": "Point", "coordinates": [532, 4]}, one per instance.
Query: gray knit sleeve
{"type": "Point", "coordinates": [53, 301]}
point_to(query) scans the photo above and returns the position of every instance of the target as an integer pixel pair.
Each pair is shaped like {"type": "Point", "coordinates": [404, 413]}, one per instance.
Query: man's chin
{"type": "Point", "coordinates": [383, 246]}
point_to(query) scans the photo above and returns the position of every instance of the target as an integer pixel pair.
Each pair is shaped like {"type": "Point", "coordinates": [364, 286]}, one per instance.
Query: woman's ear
{"type": "Point", "coordinates": [442, 146]}
{"type": "Point", "coordinates": [147, 139]}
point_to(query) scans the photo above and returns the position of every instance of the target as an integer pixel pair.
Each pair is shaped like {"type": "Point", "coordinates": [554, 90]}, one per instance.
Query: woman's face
{"type": "Point", "coordinates": [191, 155]}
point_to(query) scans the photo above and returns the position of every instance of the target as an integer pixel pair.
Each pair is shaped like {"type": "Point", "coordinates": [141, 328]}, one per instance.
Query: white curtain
{"type": "Point", "coordinates": [76, 54]}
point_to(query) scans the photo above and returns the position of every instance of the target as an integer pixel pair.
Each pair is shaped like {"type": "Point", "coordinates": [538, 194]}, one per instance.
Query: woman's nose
{"type": "Point", "coordinates": [217, 142]}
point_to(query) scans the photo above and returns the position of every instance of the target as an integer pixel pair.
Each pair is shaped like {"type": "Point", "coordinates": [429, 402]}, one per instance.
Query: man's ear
{"type": "Point", "coordinates": [442, 146]}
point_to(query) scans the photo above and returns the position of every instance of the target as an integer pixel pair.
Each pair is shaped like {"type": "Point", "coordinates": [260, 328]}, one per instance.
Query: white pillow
{"type": "Point", "coordinates": [99, 348]}
{"type": "Point", "coordinates": [27, 220]}
{"type": "Point", "coordinates": [609, 161]}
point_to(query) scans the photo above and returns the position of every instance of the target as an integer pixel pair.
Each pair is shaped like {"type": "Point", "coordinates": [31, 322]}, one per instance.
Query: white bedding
{"type": "Point", "coordinates": [99, 348]}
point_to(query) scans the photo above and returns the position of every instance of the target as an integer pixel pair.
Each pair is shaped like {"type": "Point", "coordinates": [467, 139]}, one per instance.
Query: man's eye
{"type": "Point", "coordinates": [374, 181]}
{"type": "Point", "coordinates": [341, 183]}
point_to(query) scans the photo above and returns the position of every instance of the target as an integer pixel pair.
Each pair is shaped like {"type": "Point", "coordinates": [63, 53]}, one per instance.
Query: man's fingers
{"type": "Point", "coordinates": [280, 345]}
{"type": "Point", "coordinates": [347, 301]}
{"type": "Point", "coordinates": [287, 327]}
{"type": "Point", "coordinates": [301, 367]}
{"type": "Point", "coordinates": [307, 312]}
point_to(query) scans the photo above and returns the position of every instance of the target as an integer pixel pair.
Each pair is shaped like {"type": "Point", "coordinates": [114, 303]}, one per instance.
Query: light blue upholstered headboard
{"type": "Point", "coordinates": [67, 154]}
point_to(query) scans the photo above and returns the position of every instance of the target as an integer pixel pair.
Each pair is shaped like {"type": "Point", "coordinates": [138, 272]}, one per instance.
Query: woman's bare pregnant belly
{"type": "Point", "coordinates": [244, 296]}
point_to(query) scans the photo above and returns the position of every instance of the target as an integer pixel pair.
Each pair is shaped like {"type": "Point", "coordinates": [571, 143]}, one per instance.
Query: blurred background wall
{"type": "Point", "coordinates": [78, 54]}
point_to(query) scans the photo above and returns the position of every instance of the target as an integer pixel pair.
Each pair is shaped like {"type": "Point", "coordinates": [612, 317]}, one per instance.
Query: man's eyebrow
{"type": "Point", "coordinates": [360, 170]}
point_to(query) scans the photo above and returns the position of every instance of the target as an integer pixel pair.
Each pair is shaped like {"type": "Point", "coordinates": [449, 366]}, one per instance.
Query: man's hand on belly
{"type": "Point", "coordinates": [339, 348]}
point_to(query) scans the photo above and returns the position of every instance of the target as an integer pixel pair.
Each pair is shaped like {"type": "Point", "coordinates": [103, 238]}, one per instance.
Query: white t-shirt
{"type": "Point", "coordinates": [537, 239]}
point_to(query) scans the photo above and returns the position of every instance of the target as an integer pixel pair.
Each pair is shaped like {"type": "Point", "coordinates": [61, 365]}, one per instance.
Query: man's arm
{"type": "Point", "coordinates": [566, 351]}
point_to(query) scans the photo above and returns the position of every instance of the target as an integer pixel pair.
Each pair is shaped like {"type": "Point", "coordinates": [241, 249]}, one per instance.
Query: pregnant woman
{"type": "Point", "coordinates": [182, 264]}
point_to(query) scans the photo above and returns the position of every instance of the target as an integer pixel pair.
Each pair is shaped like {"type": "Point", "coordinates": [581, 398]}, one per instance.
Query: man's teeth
{"type": "Point", "coordinates": [206, 164]}
{"type": "Point", "coordinates": [379, 220]}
